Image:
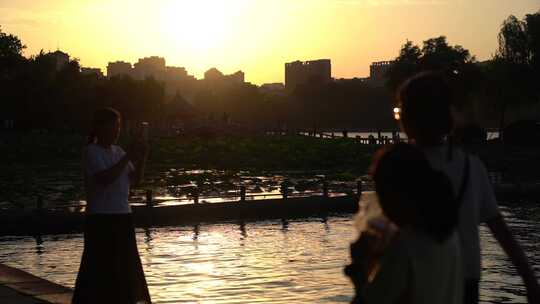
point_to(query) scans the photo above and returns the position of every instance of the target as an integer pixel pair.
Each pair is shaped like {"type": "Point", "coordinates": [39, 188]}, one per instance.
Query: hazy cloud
{"type": "Point", "coordinates": [393, 2]}
{"type": "Point", "coordinates": [19, 17]}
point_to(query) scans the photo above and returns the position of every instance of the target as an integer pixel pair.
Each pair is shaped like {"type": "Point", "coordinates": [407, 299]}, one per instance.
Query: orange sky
{"type": "Point", "coordinates": [256, 36]}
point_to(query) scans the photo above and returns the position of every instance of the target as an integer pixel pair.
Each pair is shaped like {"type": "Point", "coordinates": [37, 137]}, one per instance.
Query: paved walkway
{"type": "Point", "coordinates": [19, 287]}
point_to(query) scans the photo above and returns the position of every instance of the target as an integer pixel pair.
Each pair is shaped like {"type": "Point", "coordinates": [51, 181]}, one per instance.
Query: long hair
{"type": "Point", "coordinates": [102, 117]}
{"type": "Point", "coordinates": [412, 194]}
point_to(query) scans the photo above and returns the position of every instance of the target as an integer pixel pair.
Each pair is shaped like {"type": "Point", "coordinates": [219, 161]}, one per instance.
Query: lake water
{"type": "Point", "coordinates": [21, 185]}
{"type": "Point", "coordinates": [271, 261]}
{"type": "Point", "coordinates": [299, 261]}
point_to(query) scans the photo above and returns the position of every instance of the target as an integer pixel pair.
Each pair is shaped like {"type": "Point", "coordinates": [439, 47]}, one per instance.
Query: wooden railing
{"type": "Point", "coordinates": [240, 195]}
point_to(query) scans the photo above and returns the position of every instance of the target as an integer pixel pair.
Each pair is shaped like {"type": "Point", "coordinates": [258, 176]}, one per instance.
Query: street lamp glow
{"type": "Point", "coordinates": [397, 113]}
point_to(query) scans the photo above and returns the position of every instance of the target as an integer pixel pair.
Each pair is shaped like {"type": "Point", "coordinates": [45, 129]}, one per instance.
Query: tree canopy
{"type": "Point", "coordinates": [513, 74]}
{"type": "Point", "coordinates": [435, 55]}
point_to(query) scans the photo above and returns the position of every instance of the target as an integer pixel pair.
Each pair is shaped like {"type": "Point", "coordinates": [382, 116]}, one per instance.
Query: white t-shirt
{"type": "Point", "coordinates": [418, 268]}
{"type": "Point", "coordinates": [105, 199]}
{"type": "Point", "coordinates": [479, 203]}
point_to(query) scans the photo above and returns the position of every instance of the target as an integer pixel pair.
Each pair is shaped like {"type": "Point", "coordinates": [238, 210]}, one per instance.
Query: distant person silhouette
{"type": "Point", "coordinates": [426, 117]}
{"type": "Point", "coordinates": [110, 270]}
{"type": "Point", "coordinates": [411, 254]}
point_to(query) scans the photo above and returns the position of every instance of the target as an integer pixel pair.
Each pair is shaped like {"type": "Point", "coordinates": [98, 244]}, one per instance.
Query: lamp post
{"type": "Point", "coordinates": [397, 117]}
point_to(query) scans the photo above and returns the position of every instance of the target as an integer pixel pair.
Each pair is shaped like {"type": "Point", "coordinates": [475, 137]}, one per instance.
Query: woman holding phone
{"type": "Point", "coordinates": [111, 269]}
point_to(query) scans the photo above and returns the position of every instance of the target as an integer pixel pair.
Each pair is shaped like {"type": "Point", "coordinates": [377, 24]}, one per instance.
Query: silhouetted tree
{"type": "Point", "coordinates": [405, 65]}
{"type": "Point", "coordinates": [533, 34]}
{"type": "Point", "coordinates": [436, 55]}
{"type": "Point", "coordinates": [11, 66]}
{"type": "Point", "coordinates": [11, 49]}
{"type": "Point", "coordinates": [513, 73]}
{"type": "Point", "coordinates": [513, 41]}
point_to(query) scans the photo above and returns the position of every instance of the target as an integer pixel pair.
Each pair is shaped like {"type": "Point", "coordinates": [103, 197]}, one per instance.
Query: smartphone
{"type": "Point", "coordinates": [145, 130]}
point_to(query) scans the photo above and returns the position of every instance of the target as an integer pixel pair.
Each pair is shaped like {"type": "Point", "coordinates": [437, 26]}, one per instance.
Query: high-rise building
{"type": "Point", "coordinates": [178, 80]}
{"type": "Point", "coordinates": [175, 73]}
{"type": "Point", "coordinates": [378, 70]}
{"type": "Point", "coordinates": [215, 78]}
{"type": "Point", "coordinates": [118, 68]}
{"type": "Point", "coordinates": [90, 71]}
{"type": "Point", "coordinates": [302, 72]}
{"type": "Point", "coordinates": [213, 74]}
{"type": "Point", "coordinates": [150, 67]}
{"type": "Point", "coordinates": [276, 88]}
{"type": "Point", "coordinates": [60, 58]}
{"type": "Point", "coordinates": [237, 77]}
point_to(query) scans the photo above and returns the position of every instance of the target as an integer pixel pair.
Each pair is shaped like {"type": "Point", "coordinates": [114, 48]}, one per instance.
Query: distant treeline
{"type": "Point", "coordinates": [36, 94]}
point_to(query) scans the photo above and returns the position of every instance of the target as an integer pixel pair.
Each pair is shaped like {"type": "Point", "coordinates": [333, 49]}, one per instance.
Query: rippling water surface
{"type": "Point", "coordinates": [271, 261]}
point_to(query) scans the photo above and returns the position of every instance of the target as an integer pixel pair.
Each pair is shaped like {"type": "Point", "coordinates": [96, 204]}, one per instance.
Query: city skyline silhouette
{"type": "Point", "coordinates": [257, 37]}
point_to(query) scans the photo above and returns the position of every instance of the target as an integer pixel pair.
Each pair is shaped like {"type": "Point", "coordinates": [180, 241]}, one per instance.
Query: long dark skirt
{"type": "Point", "coordinates": [110, 270]}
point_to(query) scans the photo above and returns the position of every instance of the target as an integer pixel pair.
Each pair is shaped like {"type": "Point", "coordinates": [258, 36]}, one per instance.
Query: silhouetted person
{"type": "Point", "coordinates": [411, 254]}
{"type": "Point", "coordinates": [426, 118]}
{"type": "Point", "coordinates": [110, 270]}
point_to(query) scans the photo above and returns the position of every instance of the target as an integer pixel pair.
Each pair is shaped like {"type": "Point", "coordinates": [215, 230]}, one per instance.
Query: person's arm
{"type": "Point", "coordinates": [107, 176]}
{"type": "Point", "coordinates": [504, 236]}
{"type": "Point", "coordinates": [489, 214]}
{"type": "Point", "coordinates": [96, 170]}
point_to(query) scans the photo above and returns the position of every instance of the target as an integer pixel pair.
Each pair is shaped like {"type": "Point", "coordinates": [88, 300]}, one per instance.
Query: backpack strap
{"type": "Point", "coordinates": [465, 180]}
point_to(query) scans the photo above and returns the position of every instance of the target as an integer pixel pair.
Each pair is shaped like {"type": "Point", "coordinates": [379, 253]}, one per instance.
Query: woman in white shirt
{"type": "Point", "coordinates": [426, 116]}
{"type": "Point", "coordinates": [420, 262]}
{"type": "Point", "coordinates": [110, 270]}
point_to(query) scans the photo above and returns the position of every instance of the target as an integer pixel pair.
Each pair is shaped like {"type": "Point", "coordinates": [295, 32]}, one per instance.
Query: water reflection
{"type": "Point", "coordinates": [148, 237]}
{"type": "Point", "coordinates": [196, 230]}
{"type": "Point", "coordinates": [324, 220]}
{"type": "Point", "coordinates": [282, 261]}
{"type": "Point", "coordinates": [243, 231]}
{"type": "Point", "coordinates": [284, 225]}
{"type": "Point", "coordinates": [39, 244]}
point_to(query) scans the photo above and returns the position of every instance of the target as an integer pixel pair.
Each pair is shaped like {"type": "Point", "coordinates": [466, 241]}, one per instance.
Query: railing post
{"type": "Point", "coordinates": [196, 195]}
{"type": "Point", "coordinates": [243, 193]}
{"type": "Point", "coordinates": [285, 190]}
{"type": "Point", "coordinates": [325, 189]}
{"type": "Point", "coordinates": [149, 198]}
{"type": "Point", "coordinates": [359, 188]}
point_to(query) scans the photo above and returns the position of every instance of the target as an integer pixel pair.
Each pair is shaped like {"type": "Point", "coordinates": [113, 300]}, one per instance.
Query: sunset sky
{"type": "Point", "coordinates": [256, 36]}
